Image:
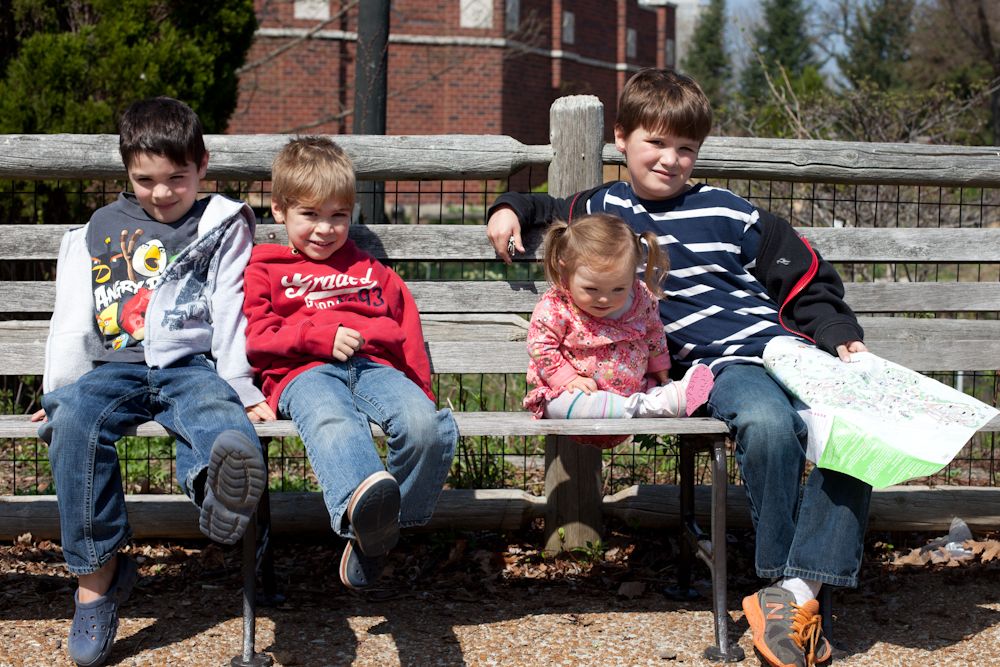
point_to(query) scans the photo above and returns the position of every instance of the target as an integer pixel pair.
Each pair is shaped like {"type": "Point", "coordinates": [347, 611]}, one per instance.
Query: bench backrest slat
{"type": "Point", "coordinates": [520, 296]}
{"type": "Point", "coordinates": [468, 243]}
{"type": "Point", "coordinates": [457, 346]}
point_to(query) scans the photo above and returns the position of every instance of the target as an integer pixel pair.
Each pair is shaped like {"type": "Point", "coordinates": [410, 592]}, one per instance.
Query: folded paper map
{"type": "Point", "coordinates": [874, 419]}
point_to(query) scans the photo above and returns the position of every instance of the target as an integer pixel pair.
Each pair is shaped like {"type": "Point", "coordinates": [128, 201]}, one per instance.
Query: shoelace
{"type": "Point", "coordinates": [806, 630]}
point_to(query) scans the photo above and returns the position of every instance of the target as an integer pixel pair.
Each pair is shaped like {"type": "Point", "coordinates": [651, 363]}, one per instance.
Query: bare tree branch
{"type": "Point", "coordinates": [298, 40]}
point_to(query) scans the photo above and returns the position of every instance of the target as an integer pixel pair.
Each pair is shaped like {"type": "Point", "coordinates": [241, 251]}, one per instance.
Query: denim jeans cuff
{"type": "Point", "coordinates": [102, 560]}
{"type": "Point", "coordinates": [844, 581]}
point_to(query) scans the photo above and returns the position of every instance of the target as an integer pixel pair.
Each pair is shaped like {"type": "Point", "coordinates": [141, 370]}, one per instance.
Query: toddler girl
{"type": "Point", "coordinates": [596, 344]}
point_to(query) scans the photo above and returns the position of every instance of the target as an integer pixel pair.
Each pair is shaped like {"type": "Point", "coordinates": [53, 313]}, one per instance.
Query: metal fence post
{"type": "Point", "coordinates": [573, 488]}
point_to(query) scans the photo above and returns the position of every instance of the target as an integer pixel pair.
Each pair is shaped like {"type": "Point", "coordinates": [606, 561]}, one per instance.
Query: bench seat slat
{"type": "Point", "coordinates": [469, 424]}
{"type": "Point", "coordinates": [475, 424]}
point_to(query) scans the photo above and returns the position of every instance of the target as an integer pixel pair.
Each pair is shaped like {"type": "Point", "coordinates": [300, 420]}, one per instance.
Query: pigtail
{"type": "Point", "coordinates": [554, 242]}
{"type": "Point", "coordinates": [657, 262]}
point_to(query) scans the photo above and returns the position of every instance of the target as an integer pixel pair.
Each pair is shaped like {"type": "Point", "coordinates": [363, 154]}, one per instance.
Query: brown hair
{"type": "Point", "coordinates": [161, 126]}
{"type": "Point", "coordinates": [602, 240]}
{"type": "Point", "coordinates": [309, 170]}
{"type": "Point", "coordinates": [662, 100]}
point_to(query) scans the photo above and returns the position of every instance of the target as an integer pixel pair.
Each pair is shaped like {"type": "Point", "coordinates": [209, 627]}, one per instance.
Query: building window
{"type": "Point", "coordinates": [631, 37]}
{"type": "Point", "coordinates": [312, 10]}
{"type": "Point", "coordinates": [476, 14]}
{"type": "Point", "coordinates": [670, 53]}
{"type": "Point", "coordinates": [569, 28]}
{"type": "Point", "coordinates": [512, 15]}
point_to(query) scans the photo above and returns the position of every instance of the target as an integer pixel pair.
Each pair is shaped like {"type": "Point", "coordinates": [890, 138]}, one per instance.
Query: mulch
{"type": "Point", "coordinates": [492, 599]}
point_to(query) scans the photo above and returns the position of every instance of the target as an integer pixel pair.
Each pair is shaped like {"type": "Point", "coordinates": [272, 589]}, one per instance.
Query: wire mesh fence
{"type": "Point", "coordinates": [513, 462]}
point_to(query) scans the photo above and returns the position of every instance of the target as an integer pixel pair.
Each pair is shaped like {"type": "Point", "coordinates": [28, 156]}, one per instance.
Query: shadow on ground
{"type": "Point", "coordinates": [438, 584]}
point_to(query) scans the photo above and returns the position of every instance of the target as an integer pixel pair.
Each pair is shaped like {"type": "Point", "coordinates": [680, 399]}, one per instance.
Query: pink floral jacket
{"type": "Point", "coordinates": [564, 342]}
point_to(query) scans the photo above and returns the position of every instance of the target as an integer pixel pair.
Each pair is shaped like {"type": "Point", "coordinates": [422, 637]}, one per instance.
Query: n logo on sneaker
{"type": "Point", "coordinates": [775, 609]}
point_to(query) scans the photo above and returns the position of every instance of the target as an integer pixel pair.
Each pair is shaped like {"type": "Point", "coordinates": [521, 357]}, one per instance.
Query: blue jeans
{"type": "Point", "coordinates": [332, 405]}
{"type": "Point", "coordinates": [813, 531]}
{"type": "Point", "coordinates": [87, 417]}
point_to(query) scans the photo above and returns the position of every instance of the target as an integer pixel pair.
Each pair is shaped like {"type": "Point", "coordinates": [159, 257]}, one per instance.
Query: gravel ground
{"type": "Point", "coordinates": [485, 600]}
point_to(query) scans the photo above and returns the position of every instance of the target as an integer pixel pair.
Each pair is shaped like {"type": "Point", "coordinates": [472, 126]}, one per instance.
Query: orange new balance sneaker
{"type": "Point", "coordinates": [784, 633]}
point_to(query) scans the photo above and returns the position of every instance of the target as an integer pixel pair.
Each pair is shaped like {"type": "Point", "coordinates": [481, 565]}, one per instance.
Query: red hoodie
{"type": "Point", "coordinates": [294, 306]}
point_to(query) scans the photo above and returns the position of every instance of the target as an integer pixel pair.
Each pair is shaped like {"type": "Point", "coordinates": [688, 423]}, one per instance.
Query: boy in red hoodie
{"type": "Point", "coordinates": [334, 337]}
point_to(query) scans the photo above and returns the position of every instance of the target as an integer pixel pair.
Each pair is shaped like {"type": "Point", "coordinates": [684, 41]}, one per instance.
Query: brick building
{"type": "Point", "coordinates": [455, 66]}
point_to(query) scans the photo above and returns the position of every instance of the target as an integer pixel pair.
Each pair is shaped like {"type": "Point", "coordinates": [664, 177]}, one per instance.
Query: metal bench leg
{"type": "Point", "coordinates": [712, 551]}
{"type": "Point", "coordinates": [826, 610]}
{"type": "Point", "coordinates": [690, 532]}
{"type": "Point", "coordinates": [249, 657]}
{"type": "Point", "coordinates": [268, 596]}
{"type": "Point", "coordinates": [723, 651]}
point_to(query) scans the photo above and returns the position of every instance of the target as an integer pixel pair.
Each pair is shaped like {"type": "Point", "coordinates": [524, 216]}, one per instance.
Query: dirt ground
{"type": "Point", "coordinates": [489, 599]}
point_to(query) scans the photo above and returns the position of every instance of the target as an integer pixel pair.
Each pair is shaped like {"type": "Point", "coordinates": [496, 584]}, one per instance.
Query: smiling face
{"type": "Point", "coordinates": [318, 230]}
{"type": "Point", "coordinates": [659, 163]}
{"type": "Point", "coordinates": [165, 190]}
{"type": "Point", "coordinates": [600, 291]}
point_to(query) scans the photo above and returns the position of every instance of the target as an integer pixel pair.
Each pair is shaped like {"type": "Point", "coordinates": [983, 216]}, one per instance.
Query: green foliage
{"type": "Point", "coordinates": [707, 60]}
{"type": "Point", "coordinates": [74, 67]}
{"type": "Point", "coordinates": [782, 42]}
{"type": "Point", "coordinates": [592, 552]}
{"type": "Point", "coordinates": [780, 114]}
{"type": "Point", "coordinates": [878, 44]}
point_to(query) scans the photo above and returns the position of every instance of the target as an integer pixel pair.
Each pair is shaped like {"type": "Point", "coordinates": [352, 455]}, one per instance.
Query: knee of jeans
{"type": "Point", "coordinates": [763, 435]}
{"type": "Point", "coordinates": [68, 417]}
{"type": "Point", "coordinates": [432, 431]}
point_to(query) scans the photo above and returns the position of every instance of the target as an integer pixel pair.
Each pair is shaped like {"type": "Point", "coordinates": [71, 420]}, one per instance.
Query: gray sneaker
{"type": "Point", "coordinates": [785, 634]}
{"type": "Point", "coordinates": [373, 513]}
{"type": "Point", "coordinates": [235, 482]}
{"type": "Point", "coordinates": [358, 571]}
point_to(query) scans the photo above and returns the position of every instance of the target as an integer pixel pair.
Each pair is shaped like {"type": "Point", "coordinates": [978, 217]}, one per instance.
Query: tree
{"type": "Point", "coordinates": [968, 59]}
{"type": "Point", "coordinates": [780, 44]}
{"type": "Point", "coordinates": [74, 66]}
{"type": "Point", "coordinates": [877, 43]}
{"type": "Point", "coordinates": [707, 60]}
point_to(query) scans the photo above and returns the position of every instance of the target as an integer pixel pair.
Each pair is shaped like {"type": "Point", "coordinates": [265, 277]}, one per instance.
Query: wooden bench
{"type": "Point", "coordinates": [478, 327]}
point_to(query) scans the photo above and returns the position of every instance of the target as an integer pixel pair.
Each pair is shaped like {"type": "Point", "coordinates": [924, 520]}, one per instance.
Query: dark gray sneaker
{"type": "Point", "coordinates": [373, 513]}
{"type": "Point", "coordinates": [785, 634]}
{"type": "Point", "coordinates": [235, 482]}
{"type": "Point", "coordinates": [358, 571]}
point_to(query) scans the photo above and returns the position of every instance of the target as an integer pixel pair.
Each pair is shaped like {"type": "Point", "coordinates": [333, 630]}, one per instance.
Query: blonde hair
{"type": "Point", "coordinates": [601, 240]}
{"type": "Point", "coordinates": [309, 170]}
{"type": "Point", "coordinates": [662, 100]}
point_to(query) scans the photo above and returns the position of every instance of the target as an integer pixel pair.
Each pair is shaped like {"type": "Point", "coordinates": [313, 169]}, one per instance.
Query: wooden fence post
{"type": "Point", "coordinates": [573, 472]}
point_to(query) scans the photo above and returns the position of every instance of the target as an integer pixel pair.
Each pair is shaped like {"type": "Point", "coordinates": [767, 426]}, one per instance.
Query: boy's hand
{"type": "Point", "coordinates": [261, 412]}
{"type": "Point", "coordinates": [661, 377]}
{"type": "Point", "coordinates": [346, 343]}
{"type": "Point", "coordinates": [504, 232]}
{"type": "Point", "coordinates": [38, 416]}
{"type": "Point", "coordinates": [844, 351]}
{"type": "Point", "coordinates": [586, 385]}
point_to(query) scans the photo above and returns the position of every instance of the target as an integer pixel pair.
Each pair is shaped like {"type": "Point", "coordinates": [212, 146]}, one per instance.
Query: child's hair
{"type": "Point", "coordinates": [662, 100]}
{"type": "Point", "coordinates": [162, 126]}
{"type": "Point", "coordinates": [599, 241]}
{"type": "Point", "coordinates": [309, 170]}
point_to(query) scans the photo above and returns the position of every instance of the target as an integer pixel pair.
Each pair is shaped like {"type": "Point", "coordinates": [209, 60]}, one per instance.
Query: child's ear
{"type": "Point", "coordinates": [203, 167]}
{"type": "Point", "coordinates": [278, 212]}
{"type": "Point", "coordinates": [620, 138]}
